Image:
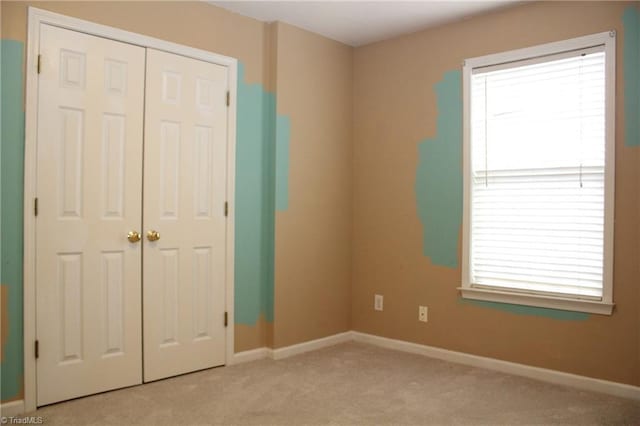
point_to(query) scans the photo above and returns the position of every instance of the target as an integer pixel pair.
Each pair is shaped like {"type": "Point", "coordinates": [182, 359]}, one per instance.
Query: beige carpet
{"type": "Point", "coordinates": [348, 384]}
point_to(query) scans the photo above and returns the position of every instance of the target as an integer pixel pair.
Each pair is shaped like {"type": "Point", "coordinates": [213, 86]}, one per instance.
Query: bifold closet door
{"type": "Point", "coordinates": [89, 181]}
{"type": "Point", "coordinates": [184, 215]}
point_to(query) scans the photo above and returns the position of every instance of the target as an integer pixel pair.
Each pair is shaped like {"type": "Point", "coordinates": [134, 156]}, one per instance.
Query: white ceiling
{"type": "Point", "coordinates": [359, 22]}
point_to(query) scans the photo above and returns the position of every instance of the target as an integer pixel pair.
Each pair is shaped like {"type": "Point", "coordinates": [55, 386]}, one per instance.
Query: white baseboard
{"type": "Point", "coordinates": [537, 373]}
{"type": "Point", "coordinates": [12, 409]}
{"type": "Point", "coordinates": [251, 355]}
{"type": "Point", "coordinates": [287, 351]}
{"type": "Point", "coordinates": [312, 345]}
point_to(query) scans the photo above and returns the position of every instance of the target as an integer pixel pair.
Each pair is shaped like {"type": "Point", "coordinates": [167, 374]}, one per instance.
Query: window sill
{"type": "Point", "coordinates": [592, 307]}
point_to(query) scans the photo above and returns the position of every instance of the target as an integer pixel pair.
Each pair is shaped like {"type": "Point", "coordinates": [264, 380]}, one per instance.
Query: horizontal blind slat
{"type": "Point", "coordinates": [567, 256]}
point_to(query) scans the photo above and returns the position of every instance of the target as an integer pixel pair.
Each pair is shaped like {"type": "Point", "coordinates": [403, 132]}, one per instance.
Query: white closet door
{"type": "Point", "coordinates": [89, 157]}
{"type": "Point", "coordinates": [184, 198]}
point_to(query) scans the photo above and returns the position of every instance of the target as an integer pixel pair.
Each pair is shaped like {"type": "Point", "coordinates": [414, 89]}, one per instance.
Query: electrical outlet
{"type": "Point", "coordinates": [423, 313]}
{"type": "Point", "coordinates": [377, 302]}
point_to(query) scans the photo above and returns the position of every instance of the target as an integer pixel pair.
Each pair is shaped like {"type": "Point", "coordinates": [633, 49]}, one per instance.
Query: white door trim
{"type": "Point", "coordinates": [36, 18]}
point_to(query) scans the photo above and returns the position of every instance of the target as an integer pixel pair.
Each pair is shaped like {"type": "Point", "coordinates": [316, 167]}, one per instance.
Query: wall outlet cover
{"type": "Point", "coordinates": [423, 313]}
{"type": "Point", "coordinates": [378, 301]}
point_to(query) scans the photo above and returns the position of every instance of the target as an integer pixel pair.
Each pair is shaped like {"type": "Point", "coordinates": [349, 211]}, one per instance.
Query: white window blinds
{"type": "Point", "coordinates": [538, 175]}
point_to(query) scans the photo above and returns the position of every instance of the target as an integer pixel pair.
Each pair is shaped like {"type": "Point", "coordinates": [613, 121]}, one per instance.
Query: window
{"type": "Point", "coordinates": [539, 174]}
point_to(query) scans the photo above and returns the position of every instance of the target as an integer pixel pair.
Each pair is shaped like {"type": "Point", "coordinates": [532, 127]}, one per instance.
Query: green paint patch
{"type": "Point", "coordinates": [283, 135]}
{"type": "Point", "coordinates": [262, 164]}
{"type": "Point", "coordinates": [631, 61]}
{"type": "Point", "coordinates": [12, 183]}
{"type": "Point", "coordinates": [252, 245]}
{"type": "Point", "coordinates": [439, 176]}
{"type": "Point", "coordinates": [556, 314]}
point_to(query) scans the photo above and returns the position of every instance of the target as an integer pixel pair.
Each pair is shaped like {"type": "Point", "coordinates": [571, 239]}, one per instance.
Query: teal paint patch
{"type": "Point", "coordinates": [631, 60]}
{"type": "Point", "coordinates": [252, 253]}
{"type": "Point", "coordinates": [262, 141]}
{"type": "Point", "coordinates": [283, 135]}
{"type": "Point", "coordinates": [12, 184]}
{"type": "Point", "coordinates": [555, 314]}
{"type": "Point", "coordinates": [439, 176]}
{"type": "Point", "coordinates": [268, 207]}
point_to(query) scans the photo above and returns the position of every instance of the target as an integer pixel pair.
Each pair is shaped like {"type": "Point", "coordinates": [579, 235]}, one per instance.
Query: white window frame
{"type": "Point", "coordinates": [604, 306]}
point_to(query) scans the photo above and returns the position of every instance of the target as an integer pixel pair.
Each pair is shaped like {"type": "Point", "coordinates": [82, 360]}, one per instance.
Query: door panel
{"type": "Point", "coordinates": [184, 196]}
{"type": "Point", "coordinates": [89, 185]}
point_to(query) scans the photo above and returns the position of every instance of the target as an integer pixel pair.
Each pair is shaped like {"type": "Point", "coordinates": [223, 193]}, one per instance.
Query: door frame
{"type": "Point", "coordinates": [36, 17]}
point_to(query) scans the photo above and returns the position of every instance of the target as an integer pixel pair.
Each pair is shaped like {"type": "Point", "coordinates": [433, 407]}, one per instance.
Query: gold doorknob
{"type": "Point", "coordinates": [153, 235]}
{"type": "Point", "coordinates": [133, 237]}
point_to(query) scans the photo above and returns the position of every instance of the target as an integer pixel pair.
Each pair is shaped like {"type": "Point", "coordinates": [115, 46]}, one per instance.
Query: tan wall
{"type": "Point", "coordinates": [191, 23]}
{"type": "Point", "coordinates": [313, 236]}
{"type": "Point", "coordinates": [394, 109]}
{"type": "Point", "coordinates": [249, 337]}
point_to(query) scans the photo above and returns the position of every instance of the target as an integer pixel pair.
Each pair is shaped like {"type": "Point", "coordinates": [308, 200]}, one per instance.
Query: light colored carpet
{"type": "Point", "coordinates": [348, 384]}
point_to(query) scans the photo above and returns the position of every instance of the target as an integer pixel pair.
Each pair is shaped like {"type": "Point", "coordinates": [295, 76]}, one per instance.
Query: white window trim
{"type": "Point", "coordinates": [604, 306]}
